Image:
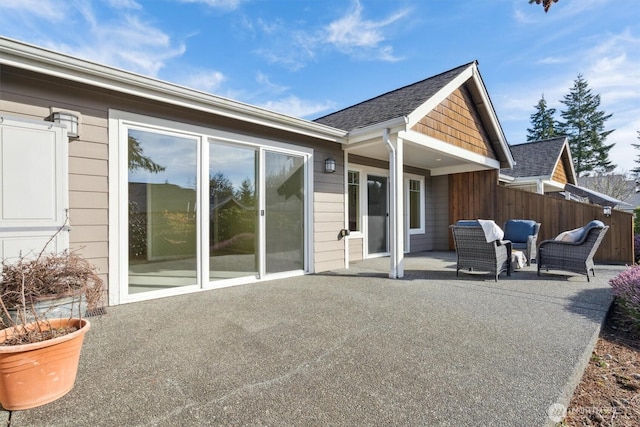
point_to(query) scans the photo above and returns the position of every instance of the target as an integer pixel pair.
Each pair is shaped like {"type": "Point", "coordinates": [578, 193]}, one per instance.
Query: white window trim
{"type": "Point", "coordinates": [407, 202]}
{"type": "Point", "coordinates": [118, 124]}
{"type": "Point", "coordinates": [363, 206]}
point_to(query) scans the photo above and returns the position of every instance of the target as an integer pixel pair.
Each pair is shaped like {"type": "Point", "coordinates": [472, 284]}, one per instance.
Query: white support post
{"type": "Point", "coordinates": [396, 208]}
{"type": "Point", "coordinates": [346, 208]}
{"type": "Point", "coordinates": [398, 201]}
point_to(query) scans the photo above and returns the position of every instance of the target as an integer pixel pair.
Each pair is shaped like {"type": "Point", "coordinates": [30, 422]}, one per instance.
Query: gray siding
{"type": "Point", "coordinates": [30, 95]}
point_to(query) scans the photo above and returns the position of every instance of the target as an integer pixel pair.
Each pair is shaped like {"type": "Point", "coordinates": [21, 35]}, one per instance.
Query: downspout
{"type": "Point", "coordinates": [393, 273]}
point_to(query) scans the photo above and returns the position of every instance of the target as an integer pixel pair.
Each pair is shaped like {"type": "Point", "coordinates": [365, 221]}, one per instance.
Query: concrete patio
{"type": "Point", "coordinates": [345, 348]}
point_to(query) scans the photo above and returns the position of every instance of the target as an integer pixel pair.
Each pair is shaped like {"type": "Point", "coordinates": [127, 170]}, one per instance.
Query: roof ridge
{"type": "Point", "coordinates": [397, 89]}
{"type": "Point", "coordinates": [539, 141]}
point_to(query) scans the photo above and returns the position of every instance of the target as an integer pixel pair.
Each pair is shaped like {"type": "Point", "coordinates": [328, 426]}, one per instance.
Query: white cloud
{"type": "Point", "coordinates": [352, 34]}
{"type": "Point", "coordinates": [552, 60]}
{"type": "Point", "coordinates": [206, 81]}
{"type": "Point", "coordinates": [126, 4]}
{"type": "Point", "coordinates": [218, 4]}
{"type": "Point", "coordinates": [47, 9]}
{"type": "Point", "coordinates": [268, 85]}
{"type": "Point", "coordinates": [123, 41]}
{"type": "Point", "coordinates": [294, 106]}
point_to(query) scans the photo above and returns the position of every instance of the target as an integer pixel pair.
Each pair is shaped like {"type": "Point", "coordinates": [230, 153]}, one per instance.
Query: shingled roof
{"type": "Point", "coordinates": [538, 158]}
{"type": "Point", "coordinates": [391, 105]}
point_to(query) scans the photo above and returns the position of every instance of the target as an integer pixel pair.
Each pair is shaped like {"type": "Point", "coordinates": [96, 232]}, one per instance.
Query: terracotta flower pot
{"type": "Point", "coordinates": [38, 373]}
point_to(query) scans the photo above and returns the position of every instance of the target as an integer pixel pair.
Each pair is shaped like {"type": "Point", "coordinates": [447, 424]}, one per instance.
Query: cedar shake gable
{"type": "Point", "coordinates": [391, 105]}
{"type": "Point", "coordinates": [451, 109]}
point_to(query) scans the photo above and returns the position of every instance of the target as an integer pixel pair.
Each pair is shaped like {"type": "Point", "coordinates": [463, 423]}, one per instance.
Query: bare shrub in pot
{"type": "Point", "coordinates": [29, 284]}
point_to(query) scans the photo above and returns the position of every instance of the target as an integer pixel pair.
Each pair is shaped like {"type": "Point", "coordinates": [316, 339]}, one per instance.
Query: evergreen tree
{"type": "Point", "coordinates": [245, 193]}
{"type": "Point", "coordinates": [584, 126]}
{"type": "Point", "coordinates": [636, 171]}
{"type": "Point", "coordinates": [137, 159]}
{"type": "Point", "coordinates": [543, 123]}
{"type": "Point", "coordinates": [220, 187]}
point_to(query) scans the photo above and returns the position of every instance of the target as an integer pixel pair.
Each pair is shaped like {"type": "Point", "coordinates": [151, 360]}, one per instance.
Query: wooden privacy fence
{"type": "Point", "coordinates": [557, 215]}
{"type": "Point", "coordinates": [474, 195]}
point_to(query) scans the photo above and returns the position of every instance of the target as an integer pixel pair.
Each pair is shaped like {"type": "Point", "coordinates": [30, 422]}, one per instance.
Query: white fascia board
{"type": "Point", "coordinates": [375, 131]}
{"type": "Point", "coordinates": [43, 61]}
{"type": "Point", "coordinates": [450, 170]}
{"type": "Point", "coordinates": [452, 150]}
{"type": "Point", "coordinates": [573, 169]}
{"type": "Point", "coordinates": [493, 117]}
{"type": "Point", "coordinates": [505, 178]}
{"type": "Point", "coordinates": [532, 179]}
{"type": "Point", "coordinates": [440, 96]}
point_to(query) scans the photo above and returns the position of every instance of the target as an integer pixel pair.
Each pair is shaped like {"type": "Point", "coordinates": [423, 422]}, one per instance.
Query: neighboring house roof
{"type": "Point", "coordinates": [391, 105]}
{"type": "Point", "coordinates": [628, 190]}
{"type": "Point", "coordinates": [593, 196]}
{"type": "Point", "coordinates": [539, 159]}
{"type": "Point", "coordinates": [633, 202]}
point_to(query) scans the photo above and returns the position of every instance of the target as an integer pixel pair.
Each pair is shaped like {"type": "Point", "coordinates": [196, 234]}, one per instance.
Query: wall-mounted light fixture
{"type": "Point", "coordinates": [329, 165]}
{"type": "Point", "coordinates": [68, 120]}
{"type": "Point", "coordinates": [606, 210]}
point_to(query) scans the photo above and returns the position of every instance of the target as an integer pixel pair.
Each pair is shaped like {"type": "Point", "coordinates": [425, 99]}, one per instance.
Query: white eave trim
{"type": "Point", "coordinates": [534, 180]}
{"type": "Point", "coordinates": [29, 57]}
{"type": "Point", "coordinates": [452, 150]}
{"type": "Point", "coordinates": [505, 178]}
{"type": "Point", "coordinates": [395, 125]}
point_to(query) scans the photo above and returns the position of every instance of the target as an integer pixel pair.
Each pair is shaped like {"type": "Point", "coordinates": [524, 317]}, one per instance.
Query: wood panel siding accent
{"type": "Point", "coordinates": [560, 172]}
{"type": "Point", "coordinates": [471, 197]}
{"type": "Point", "coordinates": [456, 120]}
{"type": "Point", "coordinates": [440, 212]}
{"type": "Point", "coordinates": [557, 215]}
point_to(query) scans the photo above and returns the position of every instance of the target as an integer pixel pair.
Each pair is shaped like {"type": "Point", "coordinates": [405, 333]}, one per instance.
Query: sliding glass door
{"type": "Point", "coordinates": [207, 211]}
{"type": "Point", "coordinates": [284, 212]}
{"type": "Point", "coordinates": [233, 207]}
{"type": "Point", "coordinates": [162, 211]}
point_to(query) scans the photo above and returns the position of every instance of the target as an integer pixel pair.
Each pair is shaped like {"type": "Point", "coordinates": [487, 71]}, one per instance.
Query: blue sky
{"type": "Point", "coordinates": [309, 58]}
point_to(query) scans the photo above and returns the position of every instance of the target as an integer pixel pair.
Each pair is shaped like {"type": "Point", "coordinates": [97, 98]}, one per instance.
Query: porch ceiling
{"type": "Point", "coordinates": [437, 161]}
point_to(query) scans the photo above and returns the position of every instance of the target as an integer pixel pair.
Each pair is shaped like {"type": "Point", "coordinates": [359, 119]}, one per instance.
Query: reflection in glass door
{"type": "Point", "coordinates": [377, 214]}
{"type": "Point", "coordinates": [284, 212]}
{"type": "Point", "coordinates": [162, 211]}
{"type": "Point", "coordinates": [233, 238]}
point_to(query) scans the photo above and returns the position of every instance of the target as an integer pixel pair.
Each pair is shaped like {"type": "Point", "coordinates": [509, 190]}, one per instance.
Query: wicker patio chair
{"type": "Point", "coordinates": [474, 253]}
{"type": "Point", "coordinates": [523, 234]}
{"type": "Point", "coordinates": [576, 256]}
